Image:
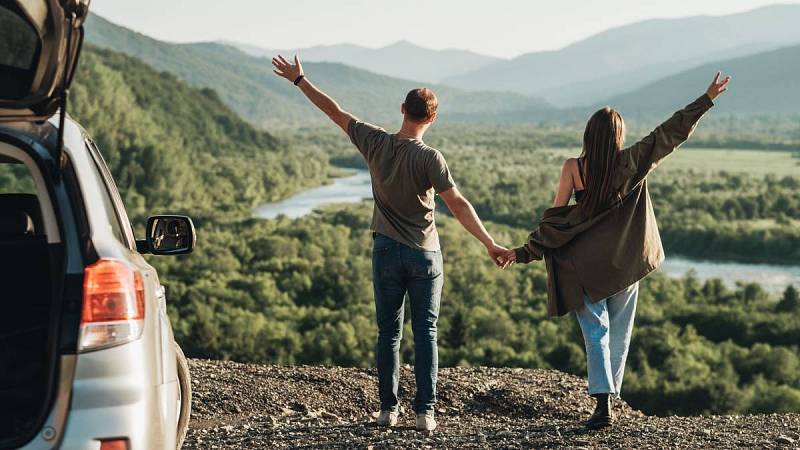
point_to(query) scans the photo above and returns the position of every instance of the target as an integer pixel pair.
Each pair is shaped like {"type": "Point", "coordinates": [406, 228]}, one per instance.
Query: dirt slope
{"type": "Point", "coordinates": [245, 406]}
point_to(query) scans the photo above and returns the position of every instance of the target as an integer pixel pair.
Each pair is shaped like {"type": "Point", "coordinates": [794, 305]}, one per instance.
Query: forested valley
{"type": "Point", "coordinates": [298, 291]}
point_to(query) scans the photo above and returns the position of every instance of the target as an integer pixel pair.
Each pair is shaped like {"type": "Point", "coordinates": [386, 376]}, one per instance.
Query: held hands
{"type": "Point", "coordinates": [510, 257]}
{"type": "Point", "coordinates": [717, 87]}
{"type": "Point", "coordinates": [500, 255]}
{"type": "Point", "coordinates": [287, 70]}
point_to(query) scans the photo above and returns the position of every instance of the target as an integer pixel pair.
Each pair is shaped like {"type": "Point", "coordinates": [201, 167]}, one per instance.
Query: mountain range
{"type": "Point", "coordinates": [638, 76]}
{"type": "Point", "coordinates": [763, 83]}
{"type": "Point", "coordinates": [247, 84]}
{"type": "Point", "coordinates": [628, 57]}
{"type": "Point", "coordinates": [402, 59]}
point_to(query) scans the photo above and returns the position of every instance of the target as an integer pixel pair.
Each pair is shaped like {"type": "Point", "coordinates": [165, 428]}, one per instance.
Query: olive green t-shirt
{"type": "Point", "coordinates": [406, 174]}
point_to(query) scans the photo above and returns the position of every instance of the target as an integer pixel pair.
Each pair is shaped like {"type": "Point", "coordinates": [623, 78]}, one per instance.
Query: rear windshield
{"type": "Point", "coordinates": [20, 211]}
{"type": "Point", "coordinates": [19, 51]}
{"type": "Point", "coordinates": [15, 177]}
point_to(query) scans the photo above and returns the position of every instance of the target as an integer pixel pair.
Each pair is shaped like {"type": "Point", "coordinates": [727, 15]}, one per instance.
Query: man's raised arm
{"type": "Point", "coordinates": [294, 73]}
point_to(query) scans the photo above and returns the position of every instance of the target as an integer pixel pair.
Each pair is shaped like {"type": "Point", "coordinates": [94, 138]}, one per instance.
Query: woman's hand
{"type": "Point", "coordinates": [287, 70]}
{"type": "Point", "coordinates": [718, 87]}
{"type": "Point", "coordinates": [510, 257]}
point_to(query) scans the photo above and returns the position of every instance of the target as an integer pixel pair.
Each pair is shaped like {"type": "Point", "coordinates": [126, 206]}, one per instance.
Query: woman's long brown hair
{"type": "Point", "coordinates": [603, 139]}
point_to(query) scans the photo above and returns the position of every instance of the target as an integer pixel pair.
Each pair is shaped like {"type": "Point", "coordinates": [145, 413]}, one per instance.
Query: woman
{"type": "Point", "coordinates": [598, 249]}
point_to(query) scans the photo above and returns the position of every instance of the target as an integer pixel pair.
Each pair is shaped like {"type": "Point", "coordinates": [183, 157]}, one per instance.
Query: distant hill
{"type": "Point", "coordinates": [247, 85]}
{"type": "Point", "coordinates": [763, 83]}
{"type": "Point", "coordinates": [172, 147]}
{"type": "Point", "coordinates": [401, 60]}
{"type": "Point", "coordinates": [625, 58]}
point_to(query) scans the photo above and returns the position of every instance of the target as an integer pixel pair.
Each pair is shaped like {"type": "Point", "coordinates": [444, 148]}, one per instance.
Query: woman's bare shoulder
{"type": "Point", "coordinates": [570, 165]}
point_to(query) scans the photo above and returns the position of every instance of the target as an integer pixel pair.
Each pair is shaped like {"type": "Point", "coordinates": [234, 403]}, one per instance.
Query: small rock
{"type": "Point", "coordinates": [504, 434]}
{"type": "Point", "coordinates": [329, 415]}
{"type": "Point", "coordinates": [784, 440]}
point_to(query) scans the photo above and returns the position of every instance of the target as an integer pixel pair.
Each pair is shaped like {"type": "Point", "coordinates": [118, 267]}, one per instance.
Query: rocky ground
{"type": "Point", "coordinates": [245, 406]}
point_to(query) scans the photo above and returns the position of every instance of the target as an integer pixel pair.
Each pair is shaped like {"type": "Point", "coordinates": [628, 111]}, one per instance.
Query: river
{"type": "Point", "coordinates": [349, 189]}
{"type": "Point", "coordinates": [356, 187]}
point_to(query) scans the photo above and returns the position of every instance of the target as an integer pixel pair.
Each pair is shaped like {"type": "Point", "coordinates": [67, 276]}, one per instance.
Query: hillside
{"type": "Point", "coordinates": [627, 57]}
{"type": "Point", "coordinates": [762, 83]}
{"type": "Point", "coordinates": [247, 85]}
{"type": "Point", "coordinates": [171, 145]}
{"type": "Point", "coordinates": [241, 406]}
{"type": "Point", "coordinates": [401, 60]}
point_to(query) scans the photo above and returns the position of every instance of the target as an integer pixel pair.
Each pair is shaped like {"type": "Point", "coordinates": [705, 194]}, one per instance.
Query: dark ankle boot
{"type": "Point", "coordinates": [603, 416]}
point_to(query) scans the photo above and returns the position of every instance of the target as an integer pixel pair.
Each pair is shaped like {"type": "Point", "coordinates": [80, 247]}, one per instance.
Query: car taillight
{"type": "Point", "coordinates": [114, 444]}
{"type": "Point", "coordinates": [113, 305]}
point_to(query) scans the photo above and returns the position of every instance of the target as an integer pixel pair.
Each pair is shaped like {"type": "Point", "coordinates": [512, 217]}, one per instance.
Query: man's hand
{"type": "Point", "coordinates": [287, 70]}
{"type": "Point", "coordinates": [717, 87]}
{"type": "Point", "coordinates": [321, 100]}
{"type": "Point", "coordinates": [499, 255]}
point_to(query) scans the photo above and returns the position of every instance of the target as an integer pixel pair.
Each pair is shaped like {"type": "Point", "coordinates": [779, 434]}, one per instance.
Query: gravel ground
{"type": "Point", "coordinates": [247, 406]}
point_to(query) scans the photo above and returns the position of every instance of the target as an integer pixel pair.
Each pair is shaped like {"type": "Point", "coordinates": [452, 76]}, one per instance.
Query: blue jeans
{"type": "Point", "coordinates": [607, 326]}
{"type": "Point", "coordinates": [398, 270]}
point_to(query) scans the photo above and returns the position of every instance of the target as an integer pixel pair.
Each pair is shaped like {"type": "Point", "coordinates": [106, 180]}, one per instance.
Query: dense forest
{"type": "Point", "coordinates": [298, 291]}
{"type": "Point", "coordinates": [177, 148]}
{"type": "Point", "coordinates": [707, 207]}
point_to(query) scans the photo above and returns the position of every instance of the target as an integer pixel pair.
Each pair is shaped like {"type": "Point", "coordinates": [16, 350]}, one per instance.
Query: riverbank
{"type": "Point", "coordinates": [773, 278]}
{"type": "Point", "coordinates": [350, 186]}
{"type": "Point", "coordinates": [353, 186]}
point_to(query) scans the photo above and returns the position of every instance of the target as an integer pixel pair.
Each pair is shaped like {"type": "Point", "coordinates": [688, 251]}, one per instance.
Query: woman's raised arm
{"type": "Point", "coordinates": [641, 158]}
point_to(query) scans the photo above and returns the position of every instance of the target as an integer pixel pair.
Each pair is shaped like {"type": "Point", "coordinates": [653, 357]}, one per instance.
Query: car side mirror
{"type": "Point", "coordinates": [168, 235]}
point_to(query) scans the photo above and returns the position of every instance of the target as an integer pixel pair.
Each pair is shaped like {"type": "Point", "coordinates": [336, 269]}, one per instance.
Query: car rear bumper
{"type": "Point", "coordinates": [131, 420]}
{"type": "Point", "coordinates": [116, 396]}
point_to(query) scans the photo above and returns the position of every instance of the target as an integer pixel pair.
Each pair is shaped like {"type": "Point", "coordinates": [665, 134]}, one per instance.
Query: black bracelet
{"type": "Point", "coordinates": [298, 79]}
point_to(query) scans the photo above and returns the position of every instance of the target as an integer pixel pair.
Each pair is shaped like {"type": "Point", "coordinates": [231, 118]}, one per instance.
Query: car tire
{"type": "Point", "coordinates": [185, 386]}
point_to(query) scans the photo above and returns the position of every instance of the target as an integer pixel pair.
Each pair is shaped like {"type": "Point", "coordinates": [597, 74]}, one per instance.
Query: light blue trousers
{"type": "Point", "coordinates": [607, 327]}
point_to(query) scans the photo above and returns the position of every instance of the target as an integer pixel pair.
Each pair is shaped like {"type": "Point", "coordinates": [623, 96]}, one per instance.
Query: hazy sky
{"type": "Point", "coordinates": [495, 27]}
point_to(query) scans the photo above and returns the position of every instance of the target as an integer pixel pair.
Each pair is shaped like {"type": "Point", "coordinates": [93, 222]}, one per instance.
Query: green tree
{"type": "Point", "coordinates": [790, 302]}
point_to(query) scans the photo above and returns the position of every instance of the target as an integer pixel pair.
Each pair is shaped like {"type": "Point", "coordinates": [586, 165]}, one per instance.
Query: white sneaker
{"type": "Point", "coordinates": [425, 422]}
{"type": "Point", "coordinates": [387, 418]}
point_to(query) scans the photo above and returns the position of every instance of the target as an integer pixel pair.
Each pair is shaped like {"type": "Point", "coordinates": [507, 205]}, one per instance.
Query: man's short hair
{"type": "Point", "coordinates": [421, 104]}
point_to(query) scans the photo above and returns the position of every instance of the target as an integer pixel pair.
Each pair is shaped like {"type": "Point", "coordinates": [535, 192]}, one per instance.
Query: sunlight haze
{"type": "Point", "coordinates": [503, 28]}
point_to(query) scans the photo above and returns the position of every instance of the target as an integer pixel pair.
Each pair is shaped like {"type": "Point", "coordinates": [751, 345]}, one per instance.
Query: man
{"type": "Point", "coordinates": [406, 257]}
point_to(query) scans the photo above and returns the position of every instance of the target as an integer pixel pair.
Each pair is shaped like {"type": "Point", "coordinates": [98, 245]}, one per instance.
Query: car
{"type": "Point", "coordinates": [87, 354]}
